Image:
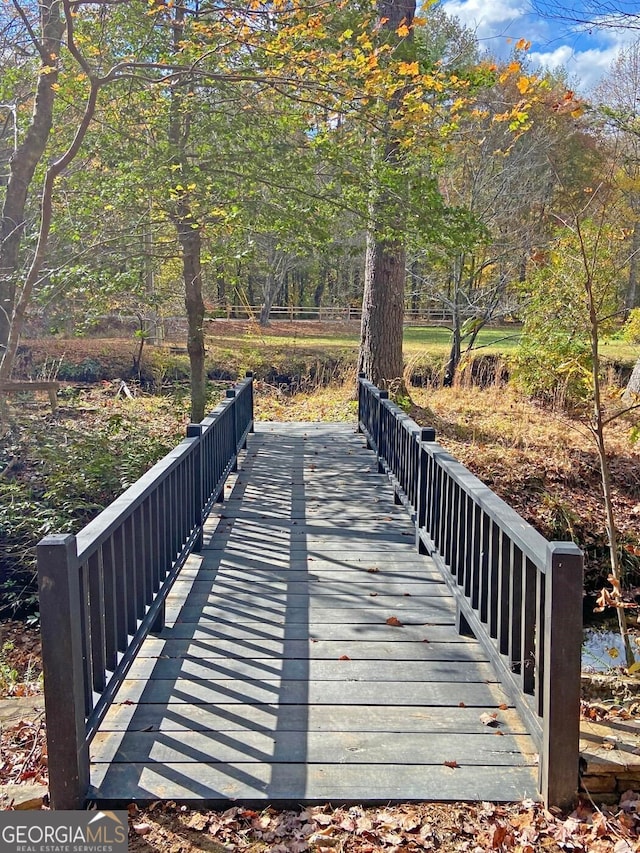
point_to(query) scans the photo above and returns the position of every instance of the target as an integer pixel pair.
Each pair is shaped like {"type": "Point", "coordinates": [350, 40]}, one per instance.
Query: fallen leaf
{"type": "Point", "coordinates": [452, 764]}
{"type": "Point", "coordinates": [503, 707]}
{"type": "Point", "coordinates": [393, 620]}
{"type": "Point", "coordinates": [373, 570]}
{"type": "Point", "coordinates": [344, 657]}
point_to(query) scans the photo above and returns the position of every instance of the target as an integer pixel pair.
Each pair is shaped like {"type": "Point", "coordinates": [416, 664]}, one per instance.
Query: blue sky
{"type": "Point", "coordinates": [586, 55]}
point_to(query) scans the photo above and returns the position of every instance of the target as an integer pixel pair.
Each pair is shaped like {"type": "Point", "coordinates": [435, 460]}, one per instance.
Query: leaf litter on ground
{"type": "Point", "coordinates": [524, 827]}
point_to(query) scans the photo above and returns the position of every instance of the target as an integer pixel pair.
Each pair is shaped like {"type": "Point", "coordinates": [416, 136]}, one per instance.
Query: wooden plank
{"type": "Point", "coordinates": [326, 572]}
{"type": "Point", "coordinates": [278, 601]}
{"type": "Point", "coordinates": [290, 785]}
{"type": "Point", "coordinates": [396, 748]}
{"type": "Point", "coordinates": [440, 611]}
{"type": "Point", "coordinates": [302, 631]}
{"type": "Point", "coordinates": [372, 543]}
{"type": "Point", "coordinates": [322, 718]}
{"type": "Point", "coordinates": [374, 639]}
{"type": "Point", "coordinates": [365, 583]}
{"type": "Point", "coordinates": [301, 669]}
{"type": "Point", "coordinates": [318, 650]}
{"type": "Point", "coordinates": [184, 691]}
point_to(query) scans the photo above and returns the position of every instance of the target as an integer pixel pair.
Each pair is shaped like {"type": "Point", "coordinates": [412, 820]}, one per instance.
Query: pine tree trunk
{"type": "Point", "coordinates": [190, 242]}
{"type": "Point", "coordinates": [383, 300]}
{"type": "Point", "coordinates": [383, 313]}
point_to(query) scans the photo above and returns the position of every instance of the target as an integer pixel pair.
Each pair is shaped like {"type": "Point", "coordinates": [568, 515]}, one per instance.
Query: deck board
{"type": "Point", "coordinates": [278, 679]}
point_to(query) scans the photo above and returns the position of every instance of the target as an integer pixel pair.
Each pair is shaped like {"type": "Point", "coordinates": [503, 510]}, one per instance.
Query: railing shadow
{"type": "Point", "coordinates": [231, 645]}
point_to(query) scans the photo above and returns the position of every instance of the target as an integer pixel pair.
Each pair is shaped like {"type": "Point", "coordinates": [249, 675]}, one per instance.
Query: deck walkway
{"type": "Point", "coordinates": [279, 679]}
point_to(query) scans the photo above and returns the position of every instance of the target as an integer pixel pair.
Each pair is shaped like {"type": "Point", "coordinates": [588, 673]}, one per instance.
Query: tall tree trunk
{"type": "Point", "coordinates": [191, 245]}
{"type": "Point", "coordinates": [23, 165]}
{"type": "Point", "coordinates": [384, 281]}
{"type": "Point", "coordinates": [189, 236]}
{"type": "Point", "coordinates": [383, 312]}
{"type": "Point", "coordinates": [270, 291]}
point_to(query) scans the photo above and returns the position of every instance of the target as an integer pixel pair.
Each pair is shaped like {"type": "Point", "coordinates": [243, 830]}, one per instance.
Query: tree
{"type": "Point", "coordinates": [591, 14]}
{"type": "Point", "coordinates": [385, 261]}
{"type": "Point", "coordinates": [617, 101]}
{"type": "Point", "coordinates": [46, 36]}
{"type": "Point", "coordinates": [574, 301]}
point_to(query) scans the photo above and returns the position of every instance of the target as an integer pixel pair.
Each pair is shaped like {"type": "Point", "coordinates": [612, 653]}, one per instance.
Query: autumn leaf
{"type": "Point", "coordinates": [373, 569]}
{"type": "Point", "coordinates": [452, 764]}
{"type": "Point", "coordinates": [344, 657]}
{"type": "Point", "coordinates": [393, 620]}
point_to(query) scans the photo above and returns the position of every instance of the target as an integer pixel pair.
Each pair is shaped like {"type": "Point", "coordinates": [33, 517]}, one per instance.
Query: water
{"type": "Point", "coordinates": [602, 649]}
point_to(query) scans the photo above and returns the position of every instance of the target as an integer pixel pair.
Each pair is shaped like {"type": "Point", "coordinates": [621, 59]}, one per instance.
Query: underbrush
{"type": "Point", "coordinates": [57, 473]}
{"type": "Point", "coordinates": [544, 464]}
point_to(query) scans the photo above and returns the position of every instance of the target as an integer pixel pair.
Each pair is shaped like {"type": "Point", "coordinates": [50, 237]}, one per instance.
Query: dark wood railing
{"type": "Point", "coordinates": [103, 591]}
{"type": "Point", "coordinates": [518, 594]}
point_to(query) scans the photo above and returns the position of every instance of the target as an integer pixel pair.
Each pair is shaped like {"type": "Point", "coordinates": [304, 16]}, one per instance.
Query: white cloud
{"type": "Point", "coordinates": [585, 66]}
{"type": "Point", "coordinates": [489, 19]}
{"type": "Point", "coordinates": [586, 55]}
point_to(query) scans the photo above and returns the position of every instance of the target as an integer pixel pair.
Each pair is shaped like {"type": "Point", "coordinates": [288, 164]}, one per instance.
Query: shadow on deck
{"type": "Point", "coordinates": [280, 677]}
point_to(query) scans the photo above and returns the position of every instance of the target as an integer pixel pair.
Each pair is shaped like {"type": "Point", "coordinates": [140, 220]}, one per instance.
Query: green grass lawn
{"type": "Point", "coordinates": [341, 339]}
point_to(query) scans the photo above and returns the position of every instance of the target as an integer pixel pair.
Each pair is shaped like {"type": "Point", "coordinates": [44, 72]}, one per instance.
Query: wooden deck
{"type": "Point", "coordinates": [279, 679]}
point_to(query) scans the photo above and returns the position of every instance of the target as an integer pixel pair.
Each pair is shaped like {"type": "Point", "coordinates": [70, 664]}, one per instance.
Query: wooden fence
{"type": "Point", "coordinates": [519, 595]}
{"type": "Point", "coordinates": [329, 313]}
{"type": "Point", "coordinates": [103, 591]}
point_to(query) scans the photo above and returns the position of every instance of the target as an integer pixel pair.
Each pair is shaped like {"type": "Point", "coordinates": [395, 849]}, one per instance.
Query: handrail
{"type": "Point", "coordinates": [104, 590]}
{"type": "Point", "coordinates": [518, 594]}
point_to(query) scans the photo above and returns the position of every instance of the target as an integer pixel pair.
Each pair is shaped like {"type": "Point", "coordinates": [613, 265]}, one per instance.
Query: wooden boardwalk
{"type": "Point", "coordinates": [279, 678]}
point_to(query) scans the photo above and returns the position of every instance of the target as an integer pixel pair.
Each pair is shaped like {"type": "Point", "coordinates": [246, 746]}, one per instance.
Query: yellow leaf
{"type": "Point", "coordinates": [403, 31]}
{"type": "Point", "coordinates": [347, 34]}
{"type": "Point", "coordinates": [613, 652]}
{"type": "Point", "coordinates": [523, 44]}
{"type": "Point", "coordinates": [408, 69]}
{"type": "Point", "coordinates": [523, 84]}
{"type": "Point", "coordinates": [634, 667]}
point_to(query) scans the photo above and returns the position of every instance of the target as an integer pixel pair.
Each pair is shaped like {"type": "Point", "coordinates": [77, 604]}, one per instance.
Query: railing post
{"type": "Point", "coordinates": [426, 434]}
{"type": "Point", "coordinates": [249, 375]}
{"type": "Point", "coordinates": [562, 649]}
{"type": "Point", "coordinates": [195, 431]}
{"type": "Point", "coordinates": [361, 375]}
{"type": "Point", "coordinates": [231, 396]}
{"type": "Point", "coordinates": [62, 664]}
{"type": "Point", "coordinates": [383, 395]}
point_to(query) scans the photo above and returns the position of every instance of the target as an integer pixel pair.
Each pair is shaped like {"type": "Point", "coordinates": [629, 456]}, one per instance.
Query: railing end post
{"type": "Point", "coordinates": [559, 758]}
{"type": "Point", "coordinates": [427, 434]}
{"type": "Point", "coordinates": [61, 605]}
